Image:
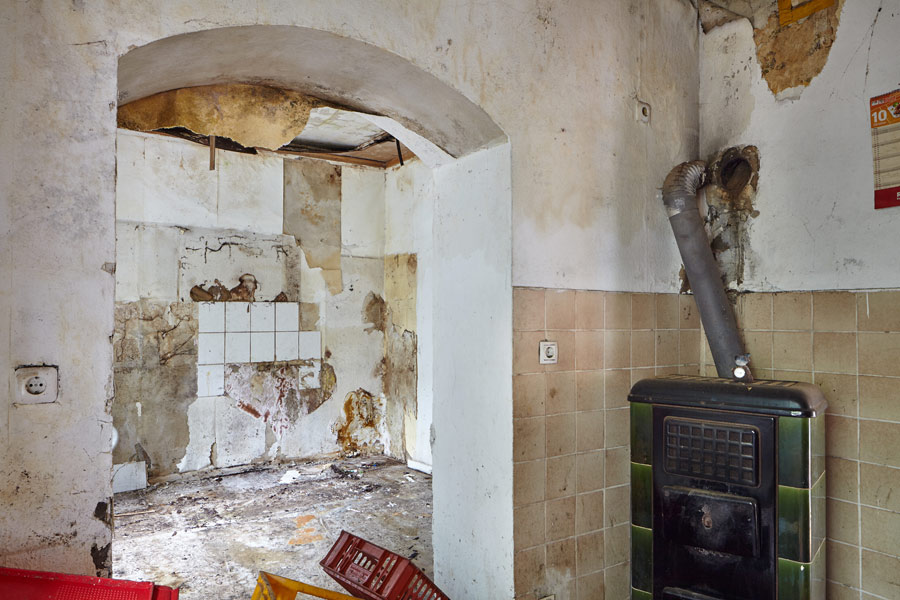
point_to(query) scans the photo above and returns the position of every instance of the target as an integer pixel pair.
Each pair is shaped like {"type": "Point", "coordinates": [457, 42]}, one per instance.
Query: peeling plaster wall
{"type": "Point", "coordinates": [816, 228]}
{"type": "Point", "coordinates": [175, 232]}
{"type": "Point", "coordinates": [312, 214]}
{"type": "Point", "coordinates": [409, 213]}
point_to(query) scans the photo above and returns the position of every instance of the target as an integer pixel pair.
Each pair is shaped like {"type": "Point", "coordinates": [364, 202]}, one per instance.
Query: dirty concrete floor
{"type": "Point", "coordinates": [211, 535]}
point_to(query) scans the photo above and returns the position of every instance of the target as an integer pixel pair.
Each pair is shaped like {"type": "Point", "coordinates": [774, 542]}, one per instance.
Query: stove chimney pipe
{"type": "Point", "coordinates": [680, 198]}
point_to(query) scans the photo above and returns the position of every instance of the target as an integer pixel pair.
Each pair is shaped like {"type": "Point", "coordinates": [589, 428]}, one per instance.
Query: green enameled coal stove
{"type": "Point", "coordinates": [727, 489]}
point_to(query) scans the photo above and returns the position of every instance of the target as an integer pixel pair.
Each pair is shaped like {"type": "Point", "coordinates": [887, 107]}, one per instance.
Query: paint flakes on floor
{"type": "Point", "coordinates": [210, 535]}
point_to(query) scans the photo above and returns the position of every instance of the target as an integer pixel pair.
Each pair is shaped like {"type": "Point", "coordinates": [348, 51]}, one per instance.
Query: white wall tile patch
{"type": "Point", "coordinates": [252, 332]}
{"type": "Point", "coordinates": [212, 317]}
{"type": "Point", "coordinates": [237, 316]}
{"type": "Point", "coordinates": [237, 347]}
{"type": "Point", "coordinates": [262, 316]}
{"type": "Point", "coordinates": [310, 345]}
{"type": "Point", "coordinates": [262, 346]}
{"type": "Point", "coordinates": [287, 316]}
{"type": "Point", "coordinates": [286, 345]}
{"type": "Point", "coordinates": [210, 380]}
{"type": "Point", "coordinates": [211, 349]}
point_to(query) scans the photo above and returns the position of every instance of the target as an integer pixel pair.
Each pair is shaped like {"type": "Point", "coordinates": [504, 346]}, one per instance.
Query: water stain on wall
{"type": "Point", "coordinates": [309, 315]}
{"type": "Point", "coordinates": [399, 371]}
{"type": "Point", "coordinates": [713, 15]}
{"type": "Point", "coordinates": [374, 312]}
{"type": "Point", "coordinates": [732, 180]}
{"type": "Point", "coordinates": [358, 431]}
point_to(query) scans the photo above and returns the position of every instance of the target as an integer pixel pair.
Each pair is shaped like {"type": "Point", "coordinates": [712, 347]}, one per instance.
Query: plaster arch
{"type": "Point", "coordinates": [471, 287]}
{"type": "Point", "coordinates": [336, 69]}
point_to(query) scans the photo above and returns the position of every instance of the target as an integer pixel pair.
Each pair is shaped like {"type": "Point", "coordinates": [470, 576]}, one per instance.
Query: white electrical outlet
{"type": "Point", "coordinates": [36, 385]}
{"type": "Point", "coordinates": [549, 353]}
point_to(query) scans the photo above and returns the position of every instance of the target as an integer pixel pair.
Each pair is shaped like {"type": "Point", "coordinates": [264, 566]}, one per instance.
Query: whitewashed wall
{"type": "Point", "coordinates": [167, 180]}
{"type": "Point", "coordinates": [472, 328]}
{"type": "Point", "coordinates": [558, 78]}
{"type": "Point", "coordinates": [817, 228]}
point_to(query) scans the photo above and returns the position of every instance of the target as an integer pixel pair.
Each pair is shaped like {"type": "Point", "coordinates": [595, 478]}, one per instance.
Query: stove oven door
{"type": "Point", "coordinates": [714, 505]}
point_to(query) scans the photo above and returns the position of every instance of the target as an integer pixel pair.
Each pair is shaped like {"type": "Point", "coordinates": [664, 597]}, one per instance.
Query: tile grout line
{"type": "Point", "coordinates": [858, 468]}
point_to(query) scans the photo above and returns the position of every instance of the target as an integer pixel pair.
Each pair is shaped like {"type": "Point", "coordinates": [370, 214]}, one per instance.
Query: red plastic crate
{"type": "Point", "coordinates": [373, 573]}
{"type": "Point", "coordinates": [20, 584]}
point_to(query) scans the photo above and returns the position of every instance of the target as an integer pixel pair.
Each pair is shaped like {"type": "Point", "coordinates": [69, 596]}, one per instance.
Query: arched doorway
{"type": "Point", "coordinates": [468, 296]}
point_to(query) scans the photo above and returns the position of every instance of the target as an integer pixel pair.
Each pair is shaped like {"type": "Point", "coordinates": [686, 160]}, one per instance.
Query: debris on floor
{"type": "Point", "coordinates": [210, 535]}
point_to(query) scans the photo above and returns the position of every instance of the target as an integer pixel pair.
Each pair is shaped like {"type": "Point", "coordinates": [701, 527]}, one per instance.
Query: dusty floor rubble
{"type": "Point", "coordinates": [210, 535]}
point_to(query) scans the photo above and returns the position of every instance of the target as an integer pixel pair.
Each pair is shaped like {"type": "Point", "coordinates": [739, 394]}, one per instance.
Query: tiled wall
{"type": "Point", "coordinates": [571, 430]}
{"type": "Point", "coordinates": [849, 344]}
{"type": "Point", "coordinates": [250, 332]}
{"type": "Point", "coordinates": [571, 424]}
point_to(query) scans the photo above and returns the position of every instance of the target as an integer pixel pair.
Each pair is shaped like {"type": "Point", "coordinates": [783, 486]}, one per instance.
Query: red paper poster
{"type": "Point", "coordinates": [885, 115]}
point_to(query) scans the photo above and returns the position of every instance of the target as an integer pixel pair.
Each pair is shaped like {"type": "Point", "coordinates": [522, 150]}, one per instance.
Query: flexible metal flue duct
{"type": "Point", "coordinates": [680, 198]}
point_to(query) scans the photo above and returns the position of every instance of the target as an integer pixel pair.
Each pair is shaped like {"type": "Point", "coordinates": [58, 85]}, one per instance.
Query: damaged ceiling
{"type": "Point", "coordinates": [245, 118]}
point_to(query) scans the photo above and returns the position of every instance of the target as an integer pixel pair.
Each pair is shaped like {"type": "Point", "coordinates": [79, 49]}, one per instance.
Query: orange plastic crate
{"type": "Point", "coordinates": [20, 584]}
{"type": "Point", "coordinates": [373, 573]}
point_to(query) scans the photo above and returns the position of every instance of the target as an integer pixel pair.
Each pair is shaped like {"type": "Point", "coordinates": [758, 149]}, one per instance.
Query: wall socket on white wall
{"type": "Point", "coordinates": [36, 384]}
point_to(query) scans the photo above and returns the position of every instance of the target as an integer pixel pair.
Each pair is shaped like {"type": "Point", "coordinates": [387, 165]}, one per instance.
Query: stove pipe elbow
{"type": "Point", "coordinates": [680, 199]}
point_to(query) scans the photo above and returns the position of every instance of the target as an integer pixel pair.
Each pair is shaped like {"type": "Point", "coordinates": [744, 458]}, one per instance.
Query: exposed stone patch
{"type": "Point", "coordinates": [149, 333]}
{"type": "Point", "coordinates": [792, 55]}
